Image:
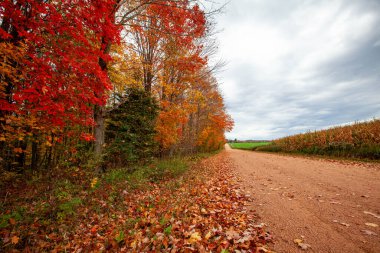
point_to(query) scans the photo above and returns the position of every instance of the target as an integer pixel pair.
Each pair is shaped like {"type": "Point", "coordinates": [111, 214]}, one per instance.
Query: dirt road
{"type": "Point", "coordinates": [324, 203]}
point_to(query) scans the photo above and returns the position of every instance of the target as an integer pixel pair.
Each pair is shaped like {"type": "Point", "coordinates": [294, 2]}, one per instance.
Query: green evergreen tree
{"type": "Point", "coordinates": [131, 128]}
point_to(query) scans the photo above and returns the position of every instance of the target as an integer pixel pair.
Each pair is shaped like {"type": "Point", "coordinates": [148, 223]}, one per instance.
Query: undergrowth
{"type": "Point", "coordinates": [54, 197]}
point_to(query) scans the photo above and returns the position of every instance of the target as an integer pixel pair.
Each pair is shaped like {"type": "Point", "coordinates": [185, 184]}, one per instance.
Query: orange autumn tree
{"type": "Point", "coordinates": [211, 118]}
{"type": "Point", "coordinates": [179, 22]}
{"type": "Point", "coordinates": [196, 114]}
{"type": "Point", "coordinates": [11, 73]}
{"type": "Point", "coordinates": [212, 136]}
{"type": "Point", "coordinates": [168, 41]}
{"type": "Point", "coordinates": [124, 72]}
{"type": "Point", "coordinates": [176, 87]}
{"type": "Point", "coordinates": [193, 115]}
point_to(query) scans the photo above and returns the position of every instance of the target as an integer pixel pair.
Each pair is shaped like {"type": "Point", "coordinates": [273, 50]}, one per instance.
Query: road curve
{"type": "Point", "coordinates": [323, 202]}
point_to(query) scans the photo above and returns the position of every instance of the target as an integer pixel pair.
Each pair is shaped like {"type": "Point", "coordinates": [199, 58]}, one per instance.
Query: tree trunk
{"type": "Point", "coordinates": [49, 152]}
{"type": "Point", "coordinates": [99, 130]}
{"type": "Point", "coordinates": [22, 157]}
{"type": "Point", "coordinates": [35, 155]}
{"type": "Point", "coordinates": [99, 111]}
{"type": "Point", "coordinates": [148, 82]}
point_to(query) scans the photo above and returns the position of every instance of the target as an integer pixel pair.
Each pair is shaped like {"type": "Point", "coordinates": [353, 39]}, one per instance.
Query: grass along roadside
{"type": "Point", "coordinates": [247, 145]}
{"type": "Point", "coordinates": [58, 201]}
{"type": "Point", "coordinates": [163, 206]}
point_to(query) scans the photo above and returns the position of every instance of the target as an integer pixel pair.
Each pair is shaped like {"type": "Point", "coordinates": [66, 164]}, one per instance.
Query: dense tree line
{"type": "Point", "coordinates": [114, 81]}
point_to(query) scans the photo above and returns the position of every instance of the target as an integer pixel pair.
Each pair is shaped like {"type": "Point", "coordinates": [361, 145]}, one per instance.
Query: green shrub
{"type": "Point", "coordinates": [116, 175]}
{"type": "Point", "coordinates": [120, 237]}
{"type": "Point", "coordinates": [168, 230]}
{"type": "Point", "coordinates": [68, 207]}
{"type": "Point", "coordinates": [5, 218]}
{"type": "Point", "coordinates": [165, 169]}
{"type": "Point", "coordinates": [130, 129]}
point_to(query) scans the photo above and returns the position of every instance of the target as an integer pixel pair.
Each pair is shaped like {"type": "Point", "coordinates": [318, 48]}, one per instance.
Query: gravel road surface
{"type": "Point", "coordinates": [331, 206]}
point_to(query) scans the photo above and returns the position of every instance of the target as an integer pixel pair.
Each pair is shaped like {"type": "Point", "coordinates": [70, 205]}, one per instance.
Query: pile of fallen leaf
{"type": "Point", "coordinates": [203, 211]}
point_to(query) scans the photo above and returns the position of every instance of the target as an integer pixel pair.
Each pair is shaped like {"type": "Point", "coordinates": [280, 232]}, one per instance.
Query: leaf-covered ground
{"type": "Point", "coordinates": [201, 210]}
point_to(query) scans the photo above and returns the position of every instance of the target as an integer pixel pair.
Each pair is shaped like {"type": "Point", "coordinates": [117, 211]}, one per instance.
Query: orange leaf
{"type": "Point", "coordinates": [44, 90]}
{"type": "Point", "coordinates": [94, 229]}
{"type": "Point", "coordinates": [15, 239]}
{"type": "Point", "coordinates": [195, 237]}
{"type": "Point", "coordinates": [12, 221]}
{"type": "Point", "coordinates": [17, 150]}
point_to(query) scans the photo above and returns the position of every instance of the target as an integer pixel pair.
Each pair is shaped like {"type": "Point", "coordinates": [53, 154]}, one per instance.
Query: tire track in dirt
{"type": "Point", "coordinates": [323, 202]}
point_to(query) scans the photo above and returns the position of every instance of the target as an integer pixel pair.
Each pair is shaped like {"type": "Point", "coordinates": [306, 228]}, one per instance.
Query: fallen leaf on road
{"type": "Point", "coordinates": [304, 246]}
{"type": "Point", "coordinates": [12, 221]}
{"type": "Point", "coordinates": [195, 237]}
{"type": "Point", "coordinates": [232, 235]}
{"type": "Point", "coordinates": [208, 235]}
{"type": "Point", "coordinates": [94, 229]}
{"type": "Point", "coordinates": [15, 239]}
{"type": "Point", "coordinates": [262, 249]}
{"type": "Point", "coordinates": [368, 232]}
{"type": "Point", "coordinates": [374, 215]}
{"type": "Point", "coordinates": [261, 225]}
{"type": "Point", "coordinates": [372, 225]}
{"type": "Point", "coordinates": [301, 244]}
{"type": "Point", "coordinates": [6, 239]}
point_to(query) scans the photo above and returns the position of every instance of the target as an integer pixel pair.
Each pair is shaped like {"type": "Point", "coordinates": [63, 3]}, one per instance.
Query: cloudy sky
{"type": "Point", "coordinates": [299, 65]}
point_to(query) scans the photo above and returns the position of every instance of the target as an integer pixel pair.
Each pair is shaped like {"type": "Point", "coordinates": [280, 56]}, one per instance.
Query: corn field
{"type": "Point", "coordinates": [356, 140]}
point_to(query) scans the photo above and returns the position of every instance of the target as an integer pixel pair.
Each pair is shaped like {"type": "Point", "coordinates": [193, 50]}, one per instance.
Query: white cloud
{"type": "Point", "coordinates": [333, 34]}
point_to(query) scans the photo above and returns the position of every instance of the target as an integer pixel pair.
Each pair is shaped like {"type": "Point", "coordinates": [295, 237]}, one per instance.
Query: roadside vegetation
{"type": "Point", "coordinates": [248, 145]}
{"type": "Point", "coordinates": [359, 140]}
{"type": "Point", "coordinates": [160, 207]}
{"type": "Point", "coordinates": [55, 206]}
